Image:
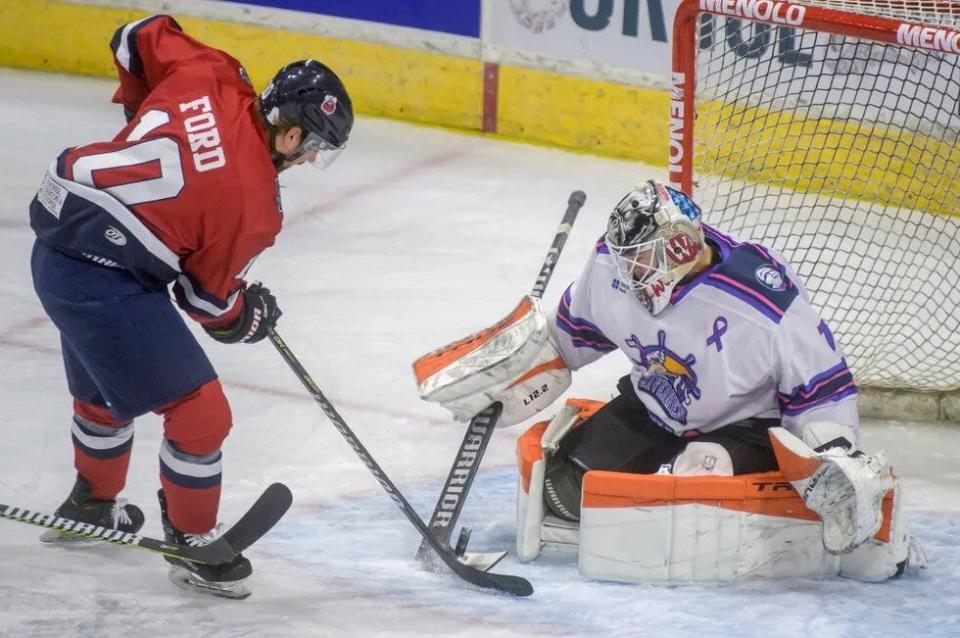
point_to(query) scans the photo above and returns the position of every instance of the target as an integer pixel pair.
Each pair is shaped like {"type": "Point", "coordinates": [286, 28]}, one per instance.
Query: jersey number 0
{"type": "Point", "coordinates": [144, 172]}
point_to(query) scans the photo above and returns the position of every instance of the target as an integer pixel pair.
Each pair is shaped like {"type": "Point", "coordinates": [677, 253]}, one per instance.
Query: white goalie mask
{"type": "Point", "coordinates": [655, 239]}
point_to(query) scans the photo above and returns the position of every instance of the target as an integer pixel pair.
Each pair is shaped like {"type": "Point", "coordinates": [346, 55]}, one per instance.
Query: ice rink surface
{"type": "Point", "coordinates": [414, 238]}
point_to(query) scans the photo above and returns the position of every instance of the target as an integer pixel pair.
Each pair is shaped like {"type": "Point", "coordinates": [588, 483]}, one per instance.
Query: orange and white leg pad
{"type": "Point", "coordinates": [665, 528]}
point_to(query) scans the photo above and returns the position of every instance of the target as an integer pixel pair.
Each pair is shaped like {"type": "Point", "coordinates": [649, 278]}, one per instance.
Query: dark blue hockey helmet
{"type": "Point", "coordinates": [309, 95]}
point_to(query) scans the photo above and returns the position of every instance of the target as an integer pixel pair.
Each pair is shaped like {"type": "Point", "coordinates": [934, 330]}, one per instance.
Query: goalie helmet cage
{"type": "Point", "coordinates": [828, 130]}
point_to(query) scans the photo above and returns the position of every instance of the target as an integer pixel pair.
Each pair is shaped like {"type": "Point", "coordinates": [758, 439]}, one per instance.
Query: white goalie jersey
{"type": "Point", "coordinates": [740, 340]}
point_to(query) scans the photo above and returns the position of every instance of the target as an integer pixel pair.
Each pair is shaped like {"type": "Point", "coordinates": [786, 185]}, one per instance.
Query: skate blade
{"type": "Point", "coordinates": [187, 580]}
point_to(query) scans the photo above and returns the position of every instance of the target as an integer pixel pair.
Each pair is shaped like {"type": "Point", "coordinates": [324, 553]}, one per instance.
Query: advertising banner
{"type": "Point", "coordinates": [454, 17]}
{"type": "Point", "coordinates": [606, 39]}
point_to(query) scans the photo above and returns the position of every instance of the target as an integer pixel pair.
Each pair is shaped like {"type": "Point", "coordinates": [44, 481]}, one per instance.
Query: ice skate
{"type": "Point", "coordinates": [227, 580]}
{"type": "Point", "coordinates": [79, 506]}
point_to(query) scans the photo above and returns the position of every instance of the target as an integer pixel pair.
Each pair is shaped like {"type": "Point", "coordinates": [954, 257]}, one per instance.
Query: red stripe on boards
{"type": "Point", "coordinates": [491, 81]}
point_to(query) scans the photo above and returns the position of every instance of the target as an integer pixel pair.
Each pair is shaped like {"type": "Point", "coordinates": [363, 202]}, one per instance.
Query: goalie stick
{"type": "Point", "coordinates": [257, 521]}
{"type": "Point", "coordinates": [502, 582]}
{"type": "Point", "coordinates": [466, 464]}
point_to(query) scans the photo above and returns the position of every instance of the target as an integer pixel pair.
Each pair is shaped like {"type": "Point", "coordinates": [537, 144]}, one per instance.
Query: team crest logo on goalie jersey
{"type": "Point", "coordinates": [770, 277]}
{"type": "Point", "coordinates": [669, 378]}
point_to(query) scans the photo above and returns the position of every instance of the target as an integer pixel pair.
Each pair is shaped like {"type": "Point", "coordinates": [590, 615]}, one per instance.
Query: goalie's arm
{"type": "Point", "coordinates": [573, 326]}
{"type": "Point", "coordinates": [814, 382]}
{"type": "Point", "coordinates": [817, 449]}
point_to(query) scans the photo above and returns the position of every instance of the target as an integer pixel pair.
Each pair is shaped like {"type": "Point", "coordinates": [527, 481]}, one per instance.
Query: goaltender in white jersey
{"type": "Point", "coordinates": [725, 345]}
{"type": "Point", "coordinates": [737, 340]}
{"type": "Point", "coordinates": [733, 373]}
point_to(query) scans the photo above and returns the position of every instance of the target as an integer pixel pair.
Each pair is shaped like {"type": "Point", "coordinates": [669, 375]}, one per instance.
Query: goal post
{"type": "Point", "coordinates": [830, 131]}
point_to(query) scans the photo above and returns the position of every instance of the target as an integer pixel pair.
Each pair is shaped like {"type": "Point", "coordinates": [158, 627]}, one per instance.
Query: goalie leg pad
{"type": "Point", "coordinates": [562, 482]}
{"type": "Point", "coordinates": [535, 523]}
{"type": "Point", "coordinates": [664, 528]}
{"type": "Point", "coordinates": [716, 528]}
{"type": "Point", "coordinates": [889, 552]}
{"type": "Point", "coordinates": [530, 514]}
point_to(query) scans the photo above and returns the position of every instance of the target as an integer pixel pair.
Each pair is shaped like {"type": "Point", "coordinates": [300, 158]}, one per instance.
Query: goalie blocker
{"type": "Point", "coordinates": [667, 528]}
{"type": "Point", "coordinates": [513, 362]}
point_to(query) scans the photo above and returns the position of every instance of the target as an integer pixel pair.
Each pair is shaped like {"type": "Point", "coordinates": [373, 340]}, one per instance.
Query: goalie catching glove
{"type": "Point", "coordinates": [513, 362]}
{"type": "Point", "coordinates": [840, 483]}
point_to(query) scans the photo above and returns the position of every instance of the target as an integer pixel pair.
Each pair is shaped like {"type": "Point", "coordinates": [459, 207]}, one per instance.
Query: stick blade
{"type": "Point", "coordinates": [513, 585]}
{"type": "Point", "coordinates": [260, 518]}
{"type": "Point", "coordinates": [484, 561]}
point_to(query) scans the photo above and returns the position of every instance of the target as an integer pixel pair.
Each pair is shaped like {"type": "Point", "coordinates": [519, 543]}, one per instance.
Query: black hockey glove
{"type": "Point", "coordinates": [260, 313]}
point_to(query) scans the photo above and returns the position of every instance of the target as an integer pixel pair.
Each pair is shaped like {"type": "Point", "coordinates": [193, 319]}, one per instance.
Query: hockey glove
{"type": "Point", "coordinates": [514, 362]}
{"type": "Point", "coordinates": [845, 487]}
{"type": "Point", "coordinates": [260, 313]}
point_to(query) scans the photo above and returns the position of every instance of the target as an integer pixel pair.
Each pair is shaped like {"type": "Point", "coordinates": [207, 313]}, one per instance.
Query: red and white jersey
{"type": "Point", "coordinates": [739, 340]}
{"type": "Point", "coordinates": [186, 192]}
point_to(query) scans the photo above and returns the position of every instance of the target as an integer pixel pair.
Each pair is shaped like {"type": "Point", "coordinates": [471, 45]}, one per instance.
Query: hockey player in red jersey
{"type": "Point", "coordinates": [186, 195]}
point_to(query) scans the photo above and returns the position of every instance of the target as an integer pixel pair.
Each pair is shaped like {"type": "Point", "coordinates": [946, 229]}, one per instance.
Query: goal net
{"type": "Point", "coordinates": [828, 129]}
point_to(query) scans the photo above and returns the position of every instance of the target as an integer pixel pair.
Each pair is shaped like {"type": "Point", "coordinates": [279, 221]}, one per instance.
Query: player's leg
{"type": "Point", "coordinates": [619, 437]}
{"type": "Point", "coordinates": [101, 442]}
{"type": "Point", "coordinates": [126, 352]}
{"type": "Point", "coordinates": [146, 360]}
{"type": "Point", "coordinates": [101, 456]}
{"type": "Point", "coordinates": [194, 427]}
{"type": "Point", "coordinates": [134, 345]}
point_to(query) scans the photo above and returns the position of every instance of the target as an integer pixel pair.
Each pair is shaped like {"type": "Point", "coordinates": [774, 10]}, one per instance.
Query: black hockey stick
{"type": "Point", "coordinates": [481, 427]}
{"type": "Point", "coordinates": [259, 519]}
{"type": "Point", "coordinates": [263, 515]}
{"type": "Point", "coordinates": [510, 584]}
{"type": "Point", "coordinates": [455, 489]}
{"type": "Point", "coordinates": [574, 203]}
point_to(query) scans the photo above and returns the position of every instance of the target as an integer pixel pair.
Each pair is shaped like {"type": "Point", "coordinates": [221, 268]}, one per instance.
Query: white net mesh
{"type": "Point", "coordinates": [843, 154]}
